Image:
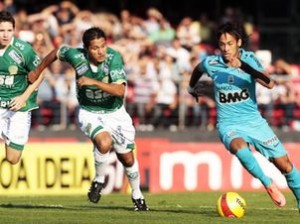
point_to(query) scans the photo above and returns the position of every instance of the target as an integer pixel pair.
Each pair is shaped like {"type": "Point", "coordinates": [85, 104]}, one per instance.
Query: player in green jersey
{"type": "Point", "coordinates": [101, 85]}
{"type": "Point", "coordinates": [17, 95]}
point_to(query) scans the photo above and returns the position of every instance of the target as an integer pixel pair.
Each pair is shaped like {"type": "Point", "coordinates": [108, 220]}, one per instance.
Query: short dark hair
{"type": "Point", "coordinates": [234, 29]}
{"type": "Point", "coordinates": [91, 34]}
{"type": "Point", "coordinates": [6, 16]}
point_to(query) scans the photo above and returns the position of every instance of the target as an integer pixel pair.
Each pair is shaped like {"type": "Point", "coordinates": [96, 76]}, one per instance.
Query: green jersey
{"type": "Point", "coordinates": [16, 62]}
{"type": "Point", "coordinates": [110, 70]}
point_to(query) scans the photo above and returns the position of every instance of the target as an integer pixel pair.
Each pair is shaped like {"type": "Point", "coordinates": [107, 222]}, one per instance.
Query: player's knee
{"type": "Point", "coordinates": [12, 159]}
{"type": "Point", "coordinates": [105, 146]}
{"type": "Point", "coordinates": [126, 160]}
{"type": "Point", "coordinates": [283, 164]}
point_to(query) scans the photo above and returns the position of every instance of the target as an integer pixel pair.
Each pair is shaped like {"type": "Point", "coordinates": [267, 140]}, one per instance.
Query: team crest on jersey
{"type": "Point", "coordinates": [13, 69]}
{"type": "Point", "coordinates": [13, 54]}
{"type": "Point", "coordinates": [230, 79]}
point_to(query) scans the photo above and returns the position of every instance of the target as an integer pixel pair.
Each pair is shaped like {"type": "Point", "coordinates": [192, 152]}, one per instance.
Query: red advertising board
{"type": "Point", "coordinates": [176, 167]}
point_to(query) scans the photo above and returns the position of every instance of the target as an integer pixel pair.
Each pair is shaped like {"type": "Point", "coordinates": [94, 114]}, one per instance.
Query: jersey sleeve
{"type": "Point", "coordinates": [32, 60]}
{"type": "Point", "coordinates": [117, 72]}
{"type": "Point", "coordinates": [63, 53]}
{"type": "Point", "coordinates": [205, 68]}
{"type": "Point", "coordinates": [254, 62]}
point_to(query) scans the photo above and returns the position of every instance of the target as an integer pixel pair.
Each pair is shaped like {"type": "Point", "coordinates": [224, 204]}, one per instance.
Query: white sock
{"type": "Point", "coordinates": [101, 161]}
{"type": "Point", "coordinates": [134, 180]}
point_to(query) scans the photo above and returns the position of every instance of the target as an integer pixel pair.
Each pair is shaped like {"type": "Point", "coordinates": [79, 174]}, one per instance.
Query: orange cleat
{"type": "Point", "coordinates": [276, 196]}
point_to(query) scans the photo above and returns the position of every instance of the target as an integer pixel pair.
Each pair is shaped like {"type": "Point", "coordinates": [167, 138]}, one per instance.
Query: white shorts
{"type": "Point", "coordinates": [15, 127]}
{"type": "Point", "coordinates": [118, 124]}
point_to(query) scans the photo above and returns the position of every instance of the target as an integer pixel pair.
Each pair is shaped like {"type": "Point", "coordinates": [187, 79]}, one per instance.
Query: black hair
{"type": "Point", "coordinates": [91, 34]}
{"type": "Point", "coordinates": [6, 16]}
{"type": "Point", "coordinates": [234, 29]}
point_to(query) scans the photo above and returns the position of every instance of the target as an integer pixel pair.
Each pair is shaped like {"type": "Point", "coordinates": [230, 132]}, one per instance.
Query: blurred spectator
{"type": "Point", "coordinates": [65, 89]}
{"type": "Point", "coordinates": [188, 32]}
{"type": "Point", "coordinates": [145, 85]}
{"type": "Point", "coordinates": [164, 35]}
{"type": "Point", "coordinates": [49, 113]}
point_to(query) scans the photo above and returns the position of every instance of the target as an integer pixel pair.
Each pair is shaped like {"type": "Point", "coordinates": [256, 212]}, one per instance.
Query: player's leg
{"type": "Point", "coordinates": [15, 130]}
{"type": "Point", "coordinates": [93, 126]}
{"type": "Point", "coordinates": [291, 174]}
{"type": "Point", "coordinates": [102, 146]}
{"type": "Point", "coordinates": [240, 148]}
{"type": "Point", "coordinates": [123, 135]}
{"type": "Point", "coordinates": [132, 172]}
{"type": "Point", "coordinates": [13, 156]}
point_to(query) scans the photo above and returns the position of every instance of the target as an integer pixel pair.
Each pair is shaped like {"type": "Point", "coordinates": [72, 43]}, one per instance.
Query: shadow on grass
{"type": "Point", "coordinates": [205, 212]}
{"type": "Point", "coordinates": [52, 206]}
{"type": "Point", "coordinates": [31, 206]}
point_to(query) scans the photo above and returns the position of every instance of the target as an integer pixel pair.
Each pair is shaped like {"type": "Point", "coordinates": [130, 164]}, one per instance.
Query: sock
{"type": "Point", "coordinates": [251, 165]}
{"type": "Point", "coordinates": [134, 180]}
{"type": "Point", "coordinates": [100, 165]}
{"type": "Point", "coordinates": [293, 181]}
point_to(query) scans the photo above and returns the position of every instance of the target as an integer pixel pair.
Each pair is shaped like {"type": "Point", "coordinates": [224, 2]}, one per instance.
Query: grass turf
{"type": "Point", "coordinates": [168, 208]}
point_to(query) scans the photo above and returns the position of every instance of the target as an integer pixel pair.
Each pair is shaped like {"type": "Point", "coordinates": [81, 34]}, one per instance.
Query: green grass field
{"type": "Point", "coordinates": [183, 208]}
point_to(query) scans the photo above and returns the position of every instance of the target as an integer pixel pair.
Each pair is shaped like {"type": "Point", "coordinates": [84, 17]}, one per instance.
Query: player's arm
{"type": "Point", "coordinates": [51, 57]}
{"type": "Point", "coordinates": [260, 77]}
{"type": "Point", "coordinates": [18, 102]}
{"type": "Point", "coordinates": [116, 89]}
{"type": "Point", "coordinates": [196, 75]}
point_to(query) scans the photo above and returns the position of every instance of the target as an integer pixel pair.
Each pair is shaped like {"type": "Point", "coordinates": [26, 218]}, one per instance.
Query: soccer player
{"type": "Point", "coordinates": [101, 85]}
{"type": "Point", "coordinates": [240, 124]}
{"type": "Point", "coordinates": [17, 95]}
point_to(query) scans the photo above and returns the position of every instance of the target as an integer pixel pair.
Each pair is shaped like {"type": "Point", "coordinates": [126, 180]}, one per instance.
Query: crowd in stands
{"type": "Point", "coordinates": [158, 56]}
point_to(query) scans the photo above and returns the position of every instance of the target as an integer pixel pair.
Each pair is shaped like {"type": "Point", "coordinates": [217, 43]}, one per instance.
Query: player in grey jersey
{"type": "Point", "coordinates": [17, 95]}
{"type": "Point", "coordinates": [101, 85]}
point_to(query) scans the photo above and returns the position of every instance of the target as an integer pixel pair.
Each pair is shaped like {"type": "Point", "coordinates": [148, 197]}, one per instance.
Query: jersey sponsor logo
{"type": "Point", "coordinates": [4, 103]}
{"type": "Point", "coordinates": [13, 54]}
{"type": "Point", "coordinates": [64, 49]}
{"type": "Point", "coordinates": [213, 62]}
{"type": "Point", "coordinates": [258, 64]}
{"type": "Point", "coordinates": [272, 141]}
{"type": "Point", "coordinates": [13, 69]}
{"type": "Point", "coordinates": [82, 69]}
{"type": "Point", "coordinates": [36, 61]}
{"type": "Point", "coordinates": [20, 46]}
{"type": "Point", "coordinates": [79, 56]}
{"type": "Point", "coordinates": [234, 97]}
{"type": "Point", "coordinates": [231, 134]}
{"type": "Point", "coordinates": [117, 73]}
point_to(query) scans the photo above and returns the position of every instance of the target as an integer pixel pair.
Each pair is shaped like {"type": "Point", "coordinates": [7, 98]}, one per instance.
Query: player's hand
{"type": "Point", "coordinates": [17, 103]}
{"type": "Point", "coordinates": [32, 76]}
{"type": "Point", "coordinates": [85, 81]}
{"type": "Point", "coordinates": [193, 92]}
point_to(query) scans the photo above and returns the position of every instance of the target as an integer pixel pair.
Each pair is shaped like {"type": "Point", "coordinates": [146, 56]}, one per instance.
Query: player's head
{"type": "Point", "coordinates": [94, 41]}
{"type": "Point", "coordinates": [231, 37]}
{"type": "Point", "coordinates": [7, 28]}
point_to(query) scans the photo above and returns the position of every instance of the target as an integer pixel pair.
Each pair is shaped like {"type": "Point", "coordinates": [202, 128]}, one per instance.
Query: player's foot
{"type": "Point", "coordinates": [139, 205]}
{"type": "Point", "coordinates": [94, 193]}
{"type": "Point", "coordinates": [276, 196]}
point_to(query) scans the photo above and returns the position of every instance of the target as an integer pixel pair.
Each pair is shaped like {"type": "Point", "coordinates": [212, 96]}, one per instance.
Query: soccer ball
{"type": "Point", "coordinates": [231, 205]}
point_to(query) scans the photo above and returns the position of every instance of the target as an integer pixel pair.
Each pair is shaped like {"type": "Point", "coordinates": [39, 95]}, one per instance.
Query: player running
{"type": "Point", "coordinates": [235, 73]}
{"type": "Point", "coordinates": [17, 95]}
{"type": "Point", "coordinates": [101, 85]}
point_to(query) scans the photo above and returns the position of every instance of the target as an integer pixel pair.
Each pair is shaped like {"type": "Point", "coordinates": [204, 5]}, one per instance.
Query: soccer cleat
{"type": "Point", "coordinates": [276, 196]}
{"type": "Point", "coordinates": [94, 193]}
{"type": "Point", "coordinates": [139, 205]}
